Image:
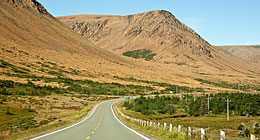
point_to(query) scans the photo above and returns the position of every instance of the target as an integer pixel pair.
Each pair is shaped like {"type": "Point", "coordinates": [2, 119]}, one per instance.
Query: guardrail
{"type": "Point", "coordinates": [189, 130]}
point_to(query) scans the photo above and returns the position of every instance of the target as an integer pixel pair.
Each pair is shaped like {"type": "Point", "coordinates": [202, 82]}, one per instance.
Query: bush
{"type": "Point", "coordinates": [43, 122]}
{"type": "Point", "coordinates": [146, 106]}
{"type": "Point", "coordinates": [247, 132]}
{"type": "Point", "coordinates": [240, 127]}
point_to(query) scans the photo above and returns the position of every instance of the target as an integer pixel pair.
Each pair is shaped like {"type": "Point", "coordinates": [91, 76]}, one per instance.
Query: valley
{"type": "Point", "coordinates": [54, 71]}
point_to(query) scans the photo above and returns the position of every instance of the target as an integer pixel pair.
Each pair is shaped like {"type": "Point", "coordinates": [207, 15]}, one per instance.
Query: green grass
{"type": "Point", "coordinates": [180, 63]}
{"type": "Point", "coordinates": [22, 123]}
{"type": "Point", "coordinates": [26, 53]}
{"type": "Point", "coordinates": [19, 118]}
{"type": "Point", "coordinates": [214, 122]}
{"type": "Point", "coordinates": [190, 58]}
{"type": "Point", "coordinates": [83, 112]}
{"type": "Point", "coordinates": [156, 132]}
{"type": "Point", "coordinates": [140, 54]}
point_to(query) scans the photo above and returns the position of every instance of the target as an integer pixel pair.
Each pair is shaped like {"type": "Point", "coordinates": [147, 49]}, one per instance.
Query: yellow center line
{"type": "Point", "coordinates": [99, 122]}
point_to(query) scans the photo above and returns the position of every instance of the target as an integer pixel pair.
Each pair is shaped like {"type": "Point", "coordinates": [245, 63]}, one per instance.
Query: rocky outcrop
{"type": "Point", "coordinates": [30, 4]}
{"type": "Point", "coordinates": [158, 31]}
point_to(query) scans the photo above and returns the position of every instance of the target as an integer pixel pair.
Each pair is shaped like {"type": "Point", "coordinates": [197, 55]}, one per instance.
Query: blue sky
{"type": "Point", "coordinates": [220, 22]}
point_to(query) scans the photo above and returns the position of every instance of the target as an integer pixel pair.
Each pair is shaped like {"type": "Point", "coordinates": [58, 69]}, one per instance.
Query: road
{"type": "Point", "coordinates": [101, 125]}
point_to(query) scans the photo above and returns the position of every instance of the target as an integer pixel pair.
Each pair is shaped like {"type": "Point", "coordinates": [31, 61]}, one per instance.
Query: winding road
{"type": "Point", "coordinates": [102, 124]}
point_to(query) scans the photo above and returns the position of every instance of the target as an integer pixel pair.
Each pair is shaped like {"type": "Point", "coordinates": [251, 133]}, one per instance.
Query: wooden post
{"type": "Point", "coordinates": [158, 125]}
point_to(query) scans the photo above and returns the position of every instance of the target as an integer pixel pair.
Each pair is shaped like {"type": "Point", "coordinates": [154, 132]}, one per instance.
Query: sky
{"type": "Point", "coordinates": [220, 22]}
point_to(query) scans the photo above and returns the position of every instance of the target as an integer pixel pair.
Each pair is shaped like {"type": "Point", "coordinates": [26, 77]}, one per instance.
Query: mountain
{"type": "Point", "coordinates": [29, 34]}
{"type": "Point", "coordinates": [158, 36]}
{"type": "Point", "coordinates": [34, 42]}
{"type": "Point", "coordinates": [250, 53]}
{"type": "Point", "coordinates": [158, 31]}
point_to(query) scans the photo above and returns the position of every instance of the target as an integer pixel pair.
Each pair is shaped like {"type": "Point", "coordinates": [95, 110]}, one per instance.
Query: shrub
{"type": "Point", "coordinates": [43, 122]}
{"type": "Point", "coordinates": [240, 127]}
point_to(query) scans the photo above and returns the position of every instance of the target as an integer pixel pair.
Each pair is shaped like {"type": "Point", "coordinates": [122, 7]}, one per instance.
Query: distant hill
{"type": "Point", "coordinates": [158, 31]}
{"type": "Point", "coordinates": [250, 53]}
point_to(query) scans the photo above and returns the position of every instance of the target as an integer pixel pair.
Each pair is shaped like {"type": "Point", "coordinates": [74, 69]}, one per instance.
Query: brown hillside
{"type": "Point", "coordinates": [30, 37]}
{"type": "Point", "coordinates": [158, 31]}
{"type": "Point", "coordinates": [248, 53]}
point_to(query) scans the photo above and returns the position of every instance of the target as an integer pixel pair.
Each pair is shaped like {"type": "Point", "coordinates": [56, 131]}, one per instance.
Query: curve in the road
{"type": "Point", "coordinates": [102, 123]}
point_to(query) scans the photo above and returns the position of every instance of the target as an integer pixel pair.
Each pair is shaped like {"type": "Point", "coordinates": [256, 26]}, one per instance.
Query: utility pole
{"type": "Point", "coordinates": [208, 102]}
{"type": "Point", "coordinates": [117, 90]}
{"type": "Point", "coordinates": [228, 101]}
{"type": "Point", "coordinates": [186, 98]}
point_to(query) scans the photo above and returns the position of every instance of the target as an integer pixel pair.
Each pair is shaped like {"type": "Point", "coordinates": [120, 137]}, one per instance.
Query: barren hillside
{"type": "Point", "coordinates": [34, 42]}
{"type": "Point", "coordinates": [157, 36]}
{"type": "Point", "coordinates": [158, 31]}
{"type": "Point", "coordinates": [248, 53]}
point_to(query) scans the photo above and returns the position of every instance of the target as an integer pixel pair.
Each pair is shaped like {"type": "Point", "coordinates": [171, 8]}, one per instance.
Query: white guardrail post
{"type": "Point", "coordinates": [170, 127]}
{"type": "Point", "coordinates": [222, 135]}
{"type": "Point", "coordinates": [153, 124]}
{"type": "Point", "coordinates": [179, 127]}
{"type": "Point", "coordinates": [189, 131]}
{"type": "Point", "coordinates": [252, 137]}
{"type": "Point", "coordinates": [164, 125]}
{"type": "Point", "coordinates": [203, 133]}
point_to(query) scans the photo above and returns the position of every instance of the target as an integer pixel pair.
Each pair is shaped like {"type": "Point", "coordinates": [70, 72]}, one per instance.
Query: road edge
{"type": "Point", "coordinates": [50, 132]}
{"type": "Point", "coordinates": [139, 134]}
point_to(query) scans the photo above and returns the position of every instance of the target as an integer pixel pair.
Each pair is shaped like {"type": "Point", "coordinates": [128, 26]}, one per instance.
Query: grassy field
{"type": "Point", "coordinates": [22, 116]}
{"type": "Point", "coordinates": [154, 133]}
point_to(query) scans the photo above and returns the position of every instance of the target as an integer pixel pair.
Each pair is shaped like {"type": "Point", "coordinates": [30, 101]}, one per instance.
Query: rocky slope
{"type": "Point", "coordinates": [158, 31]}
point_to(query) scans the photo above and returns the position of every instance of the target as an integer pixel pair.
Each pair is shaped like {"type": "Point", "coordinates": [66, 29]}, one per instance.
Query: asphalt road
{"type": "Point", "coordinates": [101, 125]}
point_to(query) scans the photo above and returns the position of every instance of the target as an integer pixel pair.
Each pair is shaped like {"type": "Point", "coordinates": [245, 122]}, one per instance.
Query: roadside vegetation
{"type": "Point", "coordinates": [192, 111]}
{"type": "Point", "coordinates": [156, 133]}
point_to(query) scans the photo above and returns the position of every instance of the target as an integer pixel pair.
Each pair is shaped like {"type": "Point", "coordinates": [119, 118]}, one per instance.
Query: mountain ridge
{"type": "Point", "coordinates": [159, 25]}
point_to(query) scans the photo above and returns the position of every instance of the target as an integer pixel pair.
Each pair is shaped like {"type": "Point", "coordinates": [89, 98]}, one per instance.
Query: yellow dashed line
{"type": "Point", "coordinates": [101, 117]}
